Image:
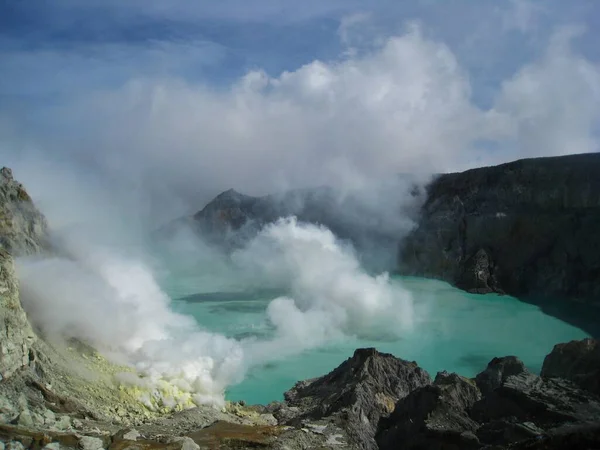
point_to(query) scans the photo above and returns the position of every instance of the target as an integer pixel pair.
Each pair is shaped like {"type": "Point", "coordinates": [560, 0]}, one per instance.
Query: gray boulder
{"type": "Point", "coordinates": [497, 372]}
{"type": "Point", "coordinates": [433, 417]}
{"type": "Point", "coordinates": [517, 404]}
{"type": "Point", "coordinates": [506, 405]}
{"type": "Point", "coordinates": [358, 393]}
{"type": "Point", "coordinates": [577, 361]}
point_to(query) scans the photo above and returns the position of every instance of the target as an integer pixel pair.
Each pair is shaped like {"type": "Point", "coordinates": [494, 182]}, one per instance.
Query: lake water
{"type": "Point", "coordinates": [453, 331]}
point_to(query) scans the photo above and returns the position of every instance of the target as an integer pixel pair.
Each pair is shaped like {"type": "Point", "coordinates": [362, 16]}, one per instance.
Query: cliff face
{"type": "Point", "coordinates": [22, 231]}
{"type": "Point", "coordinates": [528, 228]}
{"type": "Point", "coordinates": [17, 335]}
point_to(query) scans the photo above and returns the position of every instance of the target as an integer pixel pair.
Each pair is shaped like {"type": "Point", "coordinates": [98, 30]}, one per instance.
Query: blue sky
{"type": "Point", "coordinates": [264, 94]}
{"type": "Point", "coordinates": [50, 47]}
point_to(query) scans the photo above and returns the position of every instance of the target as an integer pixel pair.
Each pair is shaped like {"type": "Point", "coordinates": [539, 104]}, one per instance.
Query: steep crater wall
{"type": "Point", "coordinates": [527, 228]}
{"type": "Point", "coordinates": [23, 231]}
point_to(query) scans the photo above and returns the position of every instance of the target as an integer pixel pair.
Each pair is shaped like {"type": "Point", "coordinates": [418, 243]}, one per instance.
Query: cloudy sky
{"type": "Point", "coordinates": [177, 100]}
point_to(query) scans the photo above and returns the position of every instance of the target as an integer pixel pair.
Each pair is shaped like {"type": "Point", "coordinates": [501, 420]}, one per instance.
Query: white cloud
{"type": "Point", "coordinates": [396, 109]}
{"type": "Point", "coordinates": [352, 28]}
{"type": "Point", "coordinates": [405, 106]}
{"type": "Point", "coordinates": [553, 104]}
{"type": "Point", "coordinates": [523, 15]}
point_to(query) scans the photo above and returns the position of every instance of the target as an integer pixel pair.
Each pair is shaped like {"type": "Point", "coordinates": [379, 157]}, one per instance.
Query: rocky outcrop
{"type": "Point", "coordinates": [526, 228]}
{"type": "Point", "coordinates": [577, 361]}
{"type": "Point", "coordinates": [478, 275]}
{"type": "Point", "coordinates": [360, 391]}
{"type": "Point", "coordinates": [524, 401]}
{"type": "Point", "coordinates": [22, 231]}
{"type": "Point", "coordinates": [231, 218]}
{"type": "Point", "coordinates": [434, 417]}
{"type": "Point", "coordinates": [576, 437]}
{"type": "Point", "coordinates": [497, 372]}
{"type": "Point", "coordinates": [506, 406]}
{"type": "Point", "coordinates": [17, 335]}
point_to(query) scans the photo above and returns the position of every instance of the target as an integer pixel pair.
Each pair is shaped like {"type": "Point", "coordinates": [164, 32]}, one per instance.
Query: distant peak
{"type": "Point", "coordinates": [228, 197]}
{"type": "Point", "coordinates": [362, 354]}
{"type": "Point", "coordinates": [229, 193]}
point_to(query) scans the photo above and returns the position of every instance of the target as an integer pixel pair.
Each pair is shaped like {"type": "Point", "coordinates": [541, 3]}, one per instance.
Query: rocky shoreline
{"type": "Point", "coordinates": [371, 401]}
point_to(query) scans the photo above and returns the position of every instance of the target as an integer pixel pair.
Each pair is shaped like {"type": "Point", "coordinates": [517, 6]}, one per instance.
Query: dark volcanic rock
{"type": "Point", "coordinates": [504, 406]}
{"type": "Point", "coordinates": [577, 361]}
{"type": "Point", "coordinates": [433, 417]}
{"type": "Point", "coordinates": [528, 228]}
{"type": "Point", "coordinates": [359, 392]}
{"type": "Point", "coordinates": [518, 404]}
{"type": "Point", "coordinates": [497, 371]}
{"type": "Point", "coordinates": [571, 437]}
{"type": "Point", "coordinates": [478, 276]}
{"type": "Point", "coordinates": [547, 403]}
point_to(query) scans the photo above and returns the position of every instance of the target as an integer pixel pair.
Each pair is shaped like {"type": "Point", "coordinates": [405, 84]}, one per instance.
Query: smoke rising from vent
{"type": "Point", "coordinates": [115, 305]}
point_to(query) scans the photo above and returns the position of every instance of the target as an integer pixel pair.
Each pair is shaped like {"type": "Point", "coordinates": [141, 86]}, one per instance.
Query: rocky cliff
{"type": "Point", "coordinates": [42, 387]}
{"type": "Point", "coordinates": [527, 228]}
{"type": "Point", "coordinates": [17, 334]}
{"type": "Point", "coordinates": [23, 230]}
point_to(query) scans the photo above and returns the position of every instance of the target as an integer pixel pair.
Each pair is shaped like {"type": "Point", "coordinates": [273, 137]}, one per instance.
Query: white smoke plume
{"type": "Point", "coordinates": [114, 304]}
{"type": "Point", "coordinates": [330, 295]}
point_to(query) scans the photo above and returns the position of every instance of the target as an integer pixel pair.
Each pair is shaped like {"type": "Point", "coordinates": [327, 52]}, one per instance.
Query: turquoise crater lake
{"type": "Point", "coordinates": [456, 331]}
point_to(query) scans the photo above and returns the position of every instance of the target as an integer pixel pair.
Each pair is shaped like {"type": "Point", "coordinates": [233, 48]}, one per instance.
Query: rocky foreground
{"type": "Point", "coordinates": [371, 401]}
